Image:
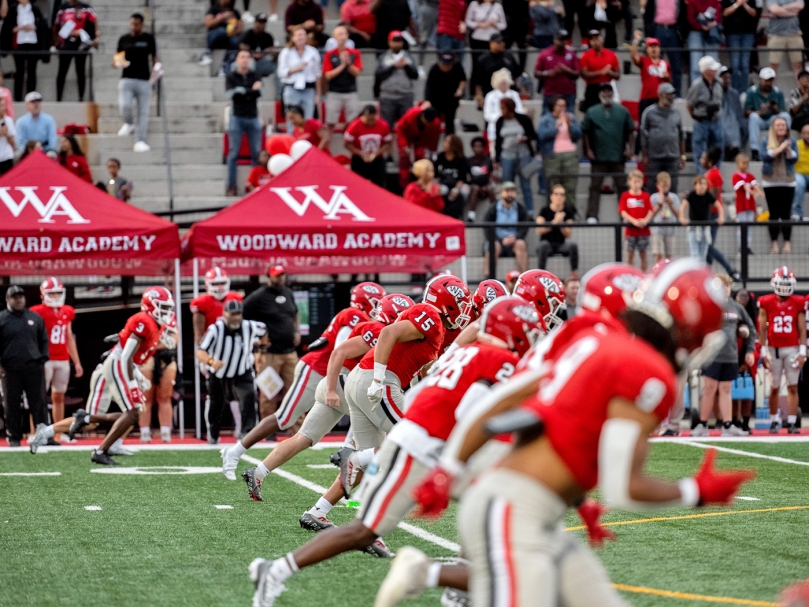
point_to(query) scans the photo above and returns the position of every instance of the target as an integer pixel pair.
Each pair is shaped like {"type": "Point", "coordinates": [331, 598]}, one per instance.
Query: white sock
{"type": "Point", "coordinates": [145, 431]}
{"type": "Point", "coordinates": [365, 457]}
{"type": "Point", "coordinates": [433, 571]}
{"type": "Point", "coordinates": [323, 507]}
{"type": "Point", "coordinates": [791, 419]}
{"type": "Point", "coordinates": [237, 450]}
{"type": "Point", "coordinates": [237, 417]}
{"type": "Point", "coordinates": [349, 442]}
{"type": "Point", "coordinates": [261, 471]}
{"type": "Point", "coordinates": [48, 432]}
{"type": "Point", "coordinates": [773, 417]}
{"type": "Point", "coordinates": [165, 430]}
{"type": "Point", "coordinates": [283, 568]}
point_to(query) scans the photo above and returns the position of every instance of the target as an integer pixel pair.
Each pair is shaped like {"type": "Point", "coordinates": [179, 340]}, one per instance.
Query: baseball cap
{"type": "Point", "coordinates": [604, 86]}
{"type": "Point", "coordinates": [446, 58]}
{"type": "Point", "coordinates": [593, 33]}
{"type": "Point", "coordinates": [652, 41]}
{"type": "Point", "coordinates": [395, 34]}
{"type": "Point", "coordinates": [233, 305]}
{"type": "Point", "coordinates": [722, 70]}
{"type": "Point", "coordinates": [767, 73]}
{"type": "Point", "coordinates": [262, 17]}
{"type": "Point", "coordinates": [665, 88]}
{"type": "Point", "coordinates": [496, 37]}
{"type": "Point", "coordinates": [508, 185]}
{"type": "Point", "coordinates": [276, 270]}
{"type": "Point", "coordinates": [561, 35]}
{"type": "Point", "coordinates": [14, 290]}
{"type": "Point", "coordinates": [33, 96]}
{"type": "Point", "coordinates": [708, 63]}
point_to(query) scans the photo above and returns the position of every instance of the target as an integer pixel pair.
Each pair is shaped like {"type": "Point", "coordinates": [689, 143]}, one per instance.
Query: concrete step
{"type": "Point", "coordinates": [98, 154]}
{"type": "Point", "coordinates": [188, 110]}
{"type": "Point", "coordinates": [176, 125]}
{"type": "Point", "coordinates": [181, 188]}
{"type": "Point", "coordinates": [157, 172]}
{"type": "Point", "coordinates": [160, 203]}
{"type": "Point", "coordinates": [198, 142]}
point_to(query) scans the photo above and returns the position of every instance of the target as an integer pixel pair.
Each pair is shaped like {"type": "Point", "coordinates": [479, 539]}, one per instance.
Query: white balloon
{"type": "Point", "coordinates": [279, 163]}
{"type": "Point", "coordinates": [299, 148]}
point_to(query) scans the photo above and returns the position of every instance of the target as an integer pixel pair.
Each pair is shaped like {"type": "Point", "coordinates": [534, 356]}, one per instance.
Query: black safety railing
{"type": "Point", "coordinates": [89, 74]}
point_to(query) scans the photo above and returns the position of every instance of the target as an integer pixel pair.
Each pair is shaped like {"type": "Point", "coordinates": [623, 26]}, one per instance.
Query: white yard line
{"type": "Point", "coordinates": [774, 458]}
{"type": "Point", "coordinates": [167, 447]}
{"type": "Point", "coordinates": [731, 439]}
{"type": "Point", "coordinates": [411, 529]}
{"type": "Point", "coordinates": [30, 473]}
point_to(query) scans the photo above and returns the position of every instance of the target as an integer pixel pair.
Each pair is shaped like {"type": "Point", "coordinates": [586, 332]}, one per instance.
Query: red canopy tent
{"type": "Point", "coordinates": [52, 222]}
{"type": "Point", "coordinates": [319, 218]}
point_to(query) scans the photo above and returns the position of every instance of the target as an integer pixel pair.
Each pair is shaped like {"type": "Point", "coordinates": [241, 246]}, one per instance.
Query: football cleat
{"type": "Point", "coordinates": [670, 432]}
{"type": "Point", "coordinates": [379, 549]}
{"type": "Point", "coordinates": [312, 522]}
{"type": "Point", "coordinates": [78, 423]}
{"type": "Point", "coordinates": [455, 598]}
{"type": "Point", "coordinates": [38, 440]}
{"type": "Point", "coordinates": [406, 578]}
{"type": "Point", "coordinates": [349, 469]}
{"type": "Point", "coordinates": [793, 429]}
{"type": "Point", "coordinates": [774, 428]}
{"type": "Point", "coordinates": [700, 430]}
{"type": "Point", "coordinates": [119, 449]}
{"type": "Point", "coordinates": [99, 457]}
{"type": "Point", "coordinates": [253, 484]}
{"type": "Point", "coordinates": [338, 456]}
{"type": "Point", "coordinates": [229, 464]}
{"type": "Point", "coordinates": [733, 431]}
{"type": "Point", "coordinates": [268, 587]}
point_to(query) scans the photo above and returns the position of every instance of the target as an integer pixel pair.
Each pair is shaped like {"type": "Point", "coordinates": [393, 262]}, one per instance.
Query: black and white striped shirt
{"type": "Point", "coordinates": [234, 348]}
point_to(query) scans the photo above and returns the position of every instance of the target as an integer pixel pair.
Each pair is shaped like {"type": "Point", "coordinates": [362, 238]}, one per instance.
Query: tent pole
{"type": "Point", "coordinates": [196, 360]}
{"type": "Point", "coordinates": [463, 268]}
{"type": "Point", "coordinates": [178, 313]}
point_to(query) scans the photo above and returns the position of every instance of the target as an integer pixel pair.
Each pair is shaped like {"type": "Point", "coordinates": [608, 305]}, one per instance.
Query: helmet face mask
{"type": "Point", "coordinates": [546, 292]}
{"type": "Point", "coordinates": [53, 293]}
{"type": "Point", "coordinates": [366, 296]}
{"type": "Point", "coordinates": [389, 308]}
{"type": "Point", "coordinates": [159, 304]}
{"type": "Point", "coordinates": [783, 282]}
{"type": "Point", "coordinates": [510, 322]}
{"type": "Point", "coordinates": [451, 297]}
{"type": "Point", "coordinates": [217, 283]}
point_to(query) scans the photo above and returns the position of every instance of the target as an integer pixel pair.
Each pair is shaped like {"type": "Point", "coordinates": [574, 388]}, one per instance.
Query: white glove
{"type": "Point", "coordinates": [143, 383]}
{"type": "Point", "coordinates": [375, 392]}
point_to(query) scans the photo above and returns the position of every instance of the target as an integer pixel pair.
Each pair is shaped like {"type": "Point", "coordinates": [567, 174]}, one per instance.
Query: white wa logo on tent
{"type": "Point", "coordinates": [339, 204]}
{"type": "Point", "coordinates": [57, 205]}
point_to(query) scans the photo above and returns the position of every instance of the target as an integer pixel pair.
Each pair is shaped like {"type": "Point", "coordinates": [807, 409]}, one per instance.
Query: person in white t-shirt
{"type": "Point", "coordinates": [7, 133]}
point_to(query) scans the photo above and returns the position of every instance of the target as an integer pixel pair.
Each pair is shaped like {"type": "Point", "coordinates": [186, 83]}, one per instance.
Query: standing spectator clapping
{"type": "Point", "coordinates": [666, 205]}
{"type": "Point", "coordinates": [341, 66]}
{"type": "Point", "coordinates": [7, 132]}
{"type": "Point", "coordinates": [75, 31]}
{"type": "Point", "coordinates": [369, 140]}
{"type": "Point", "coordinates": [598, 66]}
{"type": "Point", "coordinates": [779, 153]}
{"type": "Point", "coordinates": [446, 82]}
{"type": "Point", "coordinates": [299, 68]}
{"type": "Point", "coordinates": [73, 159]}
{"type": "Point", "coordinates": [662, 137]}
{"type": "Point", "coordinates": [514, 147]}
{"type": "Point", "coordinates": [559, 133]}
{"type": "Point", "coordinates": [243, 86]}
{"type": "Point", "coordinates": [395, 76]}
{"type": "Point", "coordinates": [501, 88]}
{"type": "Point", "coordinates": [135, 85]}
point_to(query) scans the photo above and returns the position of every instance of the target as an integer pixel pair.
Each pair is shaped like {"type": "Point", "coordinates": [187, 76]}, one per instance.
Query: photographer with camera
{"type": "Point", "coordinates": [704, 103]}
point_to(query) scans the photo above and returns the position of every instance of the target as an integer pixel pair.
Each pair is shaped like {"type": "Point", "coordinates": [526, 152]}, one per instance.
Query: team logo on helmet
{"type": "Point", "coordinates": [151, 294]}
{"type": "Point", "coordinates": [371, 289]}
{"type": "Point", "coordinates": [549, 284]}
{"type": "Point", "coordinates": [490, 294]}
{"type": "Point", "coordinates": [456, 292]}
{"type": "Point", "coordinates": [400, 301]}
{"type": "Point", "coordinates": [526, 313]}
{"type": "Point", "coordinates": [627, 282]}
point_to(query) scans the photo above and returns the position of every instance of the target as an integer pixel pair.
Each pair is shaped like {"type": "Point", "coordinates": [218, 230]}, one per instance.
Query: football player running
{"type": "Point", "coordinates": [300, 397]}
{"type": "Point", "coordinates": [508, 328]}
{"type": "Point", "coordinates": [62, 349]}
{"type": "Point", "coordinates": [782, 327]}
{"type": "Point", "coordinates": [118, 379]}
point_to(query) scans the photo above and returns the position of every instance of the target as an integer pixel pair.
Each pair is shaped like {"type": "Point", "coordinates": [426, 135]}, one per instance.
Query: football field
{"type": "Point", "coordinates": [166, 528]}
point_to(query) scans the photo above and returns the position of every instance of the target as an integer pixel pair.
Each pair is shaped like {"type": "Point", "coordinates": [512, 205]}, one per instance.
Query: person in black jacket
{"type": "Point", "coordinates": [508, 241]}
{"type": "Point", "coordinates": [243, 86]}
{"type": "Point", "coordinates": [446, 82]}
{"type": "Point", "coordinates": [26, 40]}
{"type": "Point", "coordinates": [23, 354]}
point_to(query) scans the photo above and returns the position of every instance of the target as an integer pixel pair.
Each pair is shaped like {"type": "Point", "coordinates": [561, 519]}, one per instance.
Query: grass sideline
{"type": "Point", "coordinates": [160, 540]}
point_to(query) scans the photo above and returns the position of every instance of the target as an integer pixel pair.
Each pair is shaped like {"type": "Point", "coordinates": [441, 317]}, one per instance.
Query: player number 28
{"type": "Point", "coordinates": [782, 324]}
{"type": "Point", "coordinates": [59, 334]}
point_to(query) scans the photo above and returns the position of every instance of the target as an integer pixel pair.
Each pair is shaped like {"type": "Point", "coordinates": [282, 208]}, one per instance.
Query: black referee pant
{"type": "Point", "coordinates": [222, 390]}
{"type": "Point", "coordinates": [31, 381]}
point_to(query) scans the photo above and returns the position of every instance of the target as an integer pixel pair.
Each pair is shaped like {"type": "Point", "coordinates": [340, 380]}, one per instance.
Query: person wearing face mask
{"type": "Point", "coordinates": [227, 349]}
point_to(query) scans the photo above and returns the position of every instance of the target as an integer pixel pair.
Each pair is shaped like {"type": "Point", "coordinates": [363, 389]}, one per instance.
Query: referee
{"type": "Point", "coordinates": [227, 348]}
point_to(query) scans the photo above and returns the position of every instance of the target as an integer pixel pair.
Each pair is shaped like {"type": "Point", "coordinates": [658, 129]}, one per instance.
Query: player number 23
{"type": "Point", "coordinates": [782, 324]}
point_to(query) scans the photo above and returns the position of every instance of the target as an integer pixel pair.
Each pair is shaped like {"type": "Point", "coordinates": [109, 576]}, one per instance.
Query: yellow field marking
{"type": "Point", "coordinates": [690, 516]}
{"type": "Point", "coordinates": [693, 597]}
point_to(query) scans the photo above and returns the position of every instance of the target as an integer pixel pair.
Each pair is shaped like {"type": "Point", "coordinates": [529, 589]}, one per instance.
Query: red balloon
{"type": "Point", "coordinates": [279, 144]}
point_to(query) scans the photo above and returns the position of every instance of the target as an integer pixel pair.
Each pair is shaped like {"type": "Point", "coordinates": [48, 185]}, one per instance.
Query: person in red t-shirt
{"type": "Point", "coordinates": [369, 140]}
{"type": "Point", "coordinates": [709, 161]}
{"type": "Point", "coordinates": [598, 65]}
{"type": "Point", "coordinates": [654, 71]}
{"type": "Point", "coordinates": [424, 191]}
{"type": "Point", "coordinates": [636, 209]}
{"type": "Point", "coordinates": [417, 133]}
{"type": "Point", "coordinates": [259, 175]}
{"type": "Point", "coordinates": [359, 20]}
{"type": "Point", "coordinates": [312, 130]}
{"type": "Point", "coordinates": [747, 189]}
{"type": "Point", "coordinates": [73, 159]}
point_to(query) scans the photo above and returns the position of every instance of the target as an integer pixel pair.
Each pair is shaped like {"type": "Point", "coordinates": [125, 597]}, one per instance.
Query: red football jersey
{"type": "Point", "coordinates": [782, 319]}
{"type": "Point", "coordinates": [434, 407]}
{"type": "Point", "coordinates": [408, 357]}
{"type": "Point", "coordinates": [144, 326]}
{"type": "Point", "coordinates": [652, 75]}
{"type": "Point", "coordinates": [450, 335]}
{"type": "Point", "coordinates": [57, 321]}
{"type": "Point", "coordinates": [595, 367]}
{"type": "Point", "coordinates": [211, 307]}
{"type": "Point", "coordinates": [319, 359]}
{"type": "Point", "coordinates": [369, 331]}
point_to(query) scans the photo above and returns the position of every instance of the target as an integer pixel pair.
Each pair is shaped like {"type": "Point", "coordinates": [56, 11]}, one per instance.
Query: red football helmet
{"type": "Point", "coordinates": [545, 291]}
{"type": "Point", "coordinates": [158, 303]}
{"type": "Point", "coordinates": [512, 277]}
{"type": "Point", "coordinates": [686, 298]}
{"type": "Point", "coordinates": [366, 295]}
{"type": "Point", "coordinates": [796, 595]}
{"type": "Point", "coordinates": [450, 296]}
{"type": "Point", "coordinates": [487, 291]}
{"type": "Point", "coordinates": [513, 322]}
{"type": "Point", "coordinates": [217, 283]}
{"type": "Point", "coordinates": [783, 281]}
{"type": "Point", "coordinates": [659, 267]}
{"type": "Point", "coordinates": [52, 292]}
{"type": "Point", "coordinates": [609, 287]}
{"type": "Point", "coordinates": [390, 307]}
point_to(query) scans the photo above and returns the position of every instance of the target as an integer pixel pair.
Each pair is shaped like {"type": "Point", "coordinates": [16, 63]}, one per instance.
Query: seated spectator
{"type": "Point", "coordinates": [417, 135]}
{"type": "Point", "coordinates": [424, 191]}
{"type": "Point", "coordinates": [117, 186]}
{"type": "Point", "coordinates": [135, 86]}
{"type": "Point", "coordinates": [705, 23]}
{"type": "Point", "coordinates": [558, 133]}
{"type": "Point", "coordinates": [243, 87]}
{"type": "Point", "coordinates": [747, 189]}
{"type": "Point", "coordinates": [554, 238]}
{"type": "Point", "coordinates": [480, 170]}
{"type": "Point", "coordinates": [704, 103]}
{"type": "Point", "coordinates": [607, 132]}
{"type": "Point", "coordinates": [763, 104]}
{"type": "Point", "coordinates": [445, 86]}
{"type": "Point", "coordinates": [391, 15]}
{"type": "Point", "coordinates": [784, 32]}
{"type": "Point", "coordinates": [299, 68]}
{"type": "Point", "coordinates": [72, 158]}
{"type": "Point", "coordinates": [30, 147]}
{"type": "Point", "coordinates": [547, 21]}
{"type": "Point", "coordinates": [360, 22]}
{"type": "Point", "coordinates": [599, 66]}
{"type": "Point", "coordinates": [259, 174]}
{"type": "Point", "coordinates": [6, 94]}
{"type": "Point", "coordinates": [779, 153]}
{"type": "Point", "coordinates": [654, 71]}
{"type": "Point", "coordinates": [501, 89]}
{"type": "Point", "coordinates": [662, 137]}
{"type": "Point", "coordinates": [450, 31]}
{"type": "Point", "coordinates": [452, 172]}
{"type": "Point", "coordinates": [801, 173]}
{"type": "Point", "coordinates": [312, 130]}
{"type": "Point", "coordinates": [369, 141]}
{"type": "Point", "coordinates": [697, 206]}
{"type": "Point", "coordinates": [224, 27]}
{"type": "Point", "coordinates": [557, 70]}
{"type": "Point", "coordinates": [514, 147]}
{"type": "Point", "coordinates": [488, 63]}
{"type": "Point", "coordinates": [36, 125]}
{"type": "Point", "coordinates": [636, 209]}
{"type": "Point", "coordinates": [734, 124]}
{"type": "Point", "coordinates": [395, 75]}
{"type": "Point", "coordinates": [666, 206]}
{"type": "Point", "coordinates": [483, 19]}
{"type": "Point", "coordinates": [25, 29]}
{"type": "Point", "coordinates": [7, 133]}
{"type": "Point", "coordinates": [309, 16]}
{"type": "Point", "coordinates": [261, 45]}
{"type": "Point", "coordinates": [508, 241]}
{"type": "Point", "coordinates": [798, 104]}
{"type": "Point", "coordinates": [341, 66]}
{"type": "Point", "coordinates": [75, 44]}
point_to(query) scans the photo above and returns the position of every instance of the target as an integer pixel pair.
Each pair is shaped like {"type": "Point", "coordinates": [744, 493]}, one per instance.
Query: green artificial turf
{"type": "Point", "coordinates": [160, 540]}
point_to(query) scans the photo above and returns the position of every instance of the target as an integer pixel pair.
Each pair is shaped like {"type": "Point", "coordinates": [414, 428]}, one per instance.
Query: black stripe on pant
{"type": "Point", "coordinates": [31, 381]}
{"type": "Point", "coordinates": [221, 390]}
